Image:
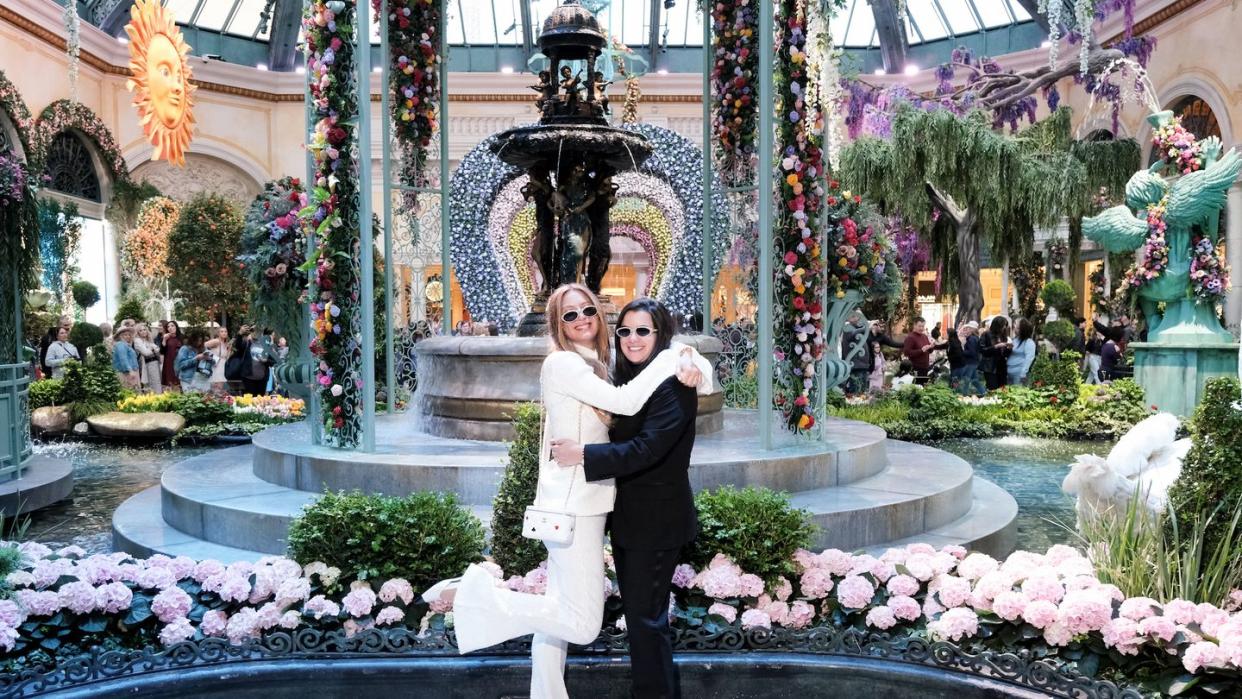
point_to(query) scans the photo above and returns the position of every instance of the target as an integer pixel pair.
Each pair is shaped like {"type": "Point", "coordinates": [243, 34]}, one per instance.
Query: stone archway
{"type": "Point", "coordinates": [202, 174]}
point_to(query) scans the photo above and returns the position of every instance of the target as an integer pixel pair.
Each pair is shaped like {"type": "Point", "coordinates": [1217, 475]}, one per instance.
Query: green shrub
{"type": "Point", "coordinates": [202, 254]}
{"type": "Point", "coordinates": [1109, 410]}
{"type": "Point", "coordinates": [44, 393]}
{"type": "Point", "coordinates": [1060, 333]}
{"type": "Point", "coordinates": [92, 388]}
{"type": "Point", "coordinates": [1212, 472]}
{"type": "Point", "coordinates": [422, 537]}
{"type": "Point", "coordinates": [204, 409]}
{"type": "Point", "coordinates": [1058, 379]}
{"type": "Point", "coordinates": [130, 308]}
{"type": "Point", "coordinates": [85, 294]}
{"type": "Point", "coordinates": [513, 552]}
{"type": "Point", "coordinates": [85, 336]}
{"type": "Point", "coordinates": [1060, 295]}
{"type": "Point", "coordinates": [755, 527]}
{"type": "Point", "coordinates": [933, 402]}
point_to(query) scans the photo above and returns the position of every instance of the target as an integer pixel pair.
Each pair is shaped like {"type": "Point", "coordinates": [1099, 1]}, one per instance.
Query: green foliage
{"type": "Point", "coordinates": [513, 552]}
{"type": "Point", "coordinates": [198, 409]}
{"type": "Point", "coordinates": [127, 200]}
{"type": "Point", "coordinates": [741, 391]}
{"type": "Point", "coordinates": [932, 402]}
{"type": "Point", "coordinates": [35, 324]}
{"type": "Point", "coordinates": [130, 308]}
{"type": "Point", "coordinates": [45, 392]}
{"type": "Point", "coordinates": [1059, 378]}
{"type": "Point", "coordinates": [755, 527]}
{"type": "Point", "coordinates": [85, 336]}
{"type": "Point", "coordinates": [92, 388]}
{"type": "Point", "coordinates": [85, 294]}
{"type": "Point", "coordinates": [60, 231]}
{"type": "Point", "coordinates": [202, 252]}
{"type": "Point", "coordinates": [1059, 332]}
{"type": "Point", "coordinates": [422, 537]}
{"type": "Point", "coordinates": [1060, 295]}
{"type": "Point", "coordinates": [1110, 410]}
{"type": "Point", "coordinates": [1212, 472]}
{"type": "Point", "coordinates": [272, 248]}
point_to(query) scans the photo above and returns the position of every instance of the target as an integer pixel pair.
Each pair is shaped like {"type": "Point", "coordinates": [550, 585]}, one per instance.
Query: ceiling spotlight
{"type": "Point", "coordinates": [261, 66]}
{"type": "Point", "coordinates": [506, 69]}
{"type": "Point", "coordinates": [668, 4]}
{"type": "Point", "coordinates": [1046, 45]}
{"type": "Point", "coordinates": [880, 71]}
{"type": "Point", "coordinates": [912, 69]}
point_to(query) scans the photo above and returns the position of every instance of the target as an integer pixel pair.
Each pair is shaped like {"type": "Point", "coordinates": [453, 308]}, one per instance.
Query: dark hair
{"type": "Point", "coordinates": [196, 337]}
{"type": "Point", "coordinates": [917, 320]}
{"type": "Point", "coordinates": [1025, 329]}
{"type": "Point", "coordinates": [663, 321]}
{"type": "Point", "coordinates": [173, 322]}
{"type": "Point", "coordinates": [1116, 334]}
{"type": "Point", "coordinates": [998, 326]}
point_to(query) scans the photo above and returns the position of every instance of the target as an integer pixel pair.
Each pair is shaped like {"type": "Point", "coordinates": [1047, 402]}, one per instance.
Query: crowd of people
{"type": "Point", "coordinates": [206, 360]}
{"type": "Point", "coordinates": [977, 358]}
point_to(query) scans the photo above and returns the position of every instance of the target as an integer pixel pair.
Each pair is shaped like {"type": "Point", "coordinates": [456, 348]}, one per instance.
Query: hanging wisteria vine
{"type": "Point", "coordinates": [332, 213]}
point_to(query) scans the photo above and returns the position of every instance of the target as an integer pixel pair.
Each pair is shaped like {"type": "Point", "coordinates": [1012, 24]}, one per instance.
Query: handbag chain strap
{"type": "Point", "coordinates": [543, 444]}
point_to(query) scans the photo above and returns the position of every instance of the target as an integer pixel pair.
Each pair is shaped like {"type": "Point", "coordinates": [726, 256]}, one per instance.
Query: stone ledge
{"type": "Point", "coordinates": [44, 481]}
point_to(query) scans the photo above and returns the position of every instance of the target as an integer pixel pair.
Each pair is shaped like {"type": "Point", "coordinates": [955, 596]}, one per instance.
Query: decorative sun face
{"type": "Point", "coordinates": [161, 79]}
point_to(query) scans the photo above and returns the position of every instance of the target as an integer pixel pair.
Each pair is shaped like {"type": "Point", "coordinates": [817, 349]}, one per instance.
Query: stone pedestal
{"type": "Point", "coordinates": [1173, 373]}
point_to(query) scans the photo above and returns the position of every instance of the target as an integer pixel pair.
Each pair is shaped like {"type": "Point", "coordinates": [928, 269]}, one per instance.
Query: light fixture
{"type": "Point", "coordinates": [506, 69]}
{"type": "Point", "coordinates": [1046, 44]}
{"type": "Point", "coordinates": [300, 70]}
{"type": "Point", "coordinates": [261, 66]}
{"type": "Point", "coordinates": [123, 39]}
{"type": "Point", "coordinates": [880, 71]}
{"type": "Point", "coordinates": [912, 69]}
{"type": "Point", "coordinates": [377, 69]}
{"type": "Point", "coordinates": [662, 71]}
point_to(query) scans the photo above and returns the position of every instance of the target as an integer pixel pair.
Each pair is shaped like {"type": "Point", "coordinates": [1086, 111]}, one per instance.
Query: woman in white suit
{"type": "Point", "coordinates": [575, 390]}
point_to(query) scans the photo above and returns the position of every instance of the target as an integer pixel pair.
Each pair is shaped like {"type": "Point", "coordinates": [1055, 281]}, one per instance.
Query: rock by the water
{"type": "Point", "coordinates": [82, 429]}
{"type": "Point", "coordinates": [51, 419]}
{"type": "Point", "coordinates": [136, 424]}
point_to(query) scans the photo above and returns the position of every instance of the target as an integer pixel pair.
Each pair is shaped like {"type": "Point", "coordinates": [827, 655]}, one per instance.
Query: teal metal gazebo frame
{"type": "Point", "coordinates": [764, 184]}
{"type": "Point", "coordinates": [15, 377]}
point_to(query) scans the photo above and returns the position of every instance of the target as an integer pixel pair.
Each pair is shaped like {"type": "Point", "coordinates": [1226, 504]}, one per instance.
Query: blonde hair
{"type": "Point", "coordinates": [556, 328]}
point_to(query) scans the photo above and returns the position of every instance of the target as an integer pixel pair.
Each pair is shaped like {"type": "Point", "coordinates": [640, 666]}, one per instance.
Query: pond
{"type": "Point", "coordinates": [1032, 471]}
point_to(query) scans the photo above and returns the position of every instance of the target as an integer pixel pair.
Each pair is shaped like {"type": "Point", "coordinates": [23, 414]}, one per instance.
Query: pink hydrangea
{"type": "Point", "coordinates": [683, 576]}
{"type": "Point", "coordinates": [801, 614]}
{"type": "Point", "coordinates": [721, 582]}
{"type": "Point", "coordinates": [157, 578]}
{"type": "Point", "coordinates": [268, 616]}
{"type": "Point", "coordinates": [33, 550]}
{"type": "Point", "coordinates": [1009, 605]}
{"type": "Point", "coordinates": [920, 566]}
{"type": "Point", "coordinates": [20, 578]}
{"type": "Point", "coordinates": [234, 588]}
{"type": "Point", "coordinates": [931, 608]}
{"type": "Point", "coordinates": [78, 597]}
{"type": "Point", "coordinates": [727, 612]}
{"type": "Point", "coordinates": [389, 615]}
{"type": "Point", "coordinates": [905, 608]}
{"type": "Point", "coordinates": [855, 592]}
{"type": "Point", "coordinates": [1058, 634]}
{"type": "Point", "coordinates": [920, 547]}
{"type": "Point", "coordinates": [1043, 586]}
{"type": "Point", "coordinates": [902, 585]}
{"type": "Point", "coordinates": [1040, 613]}
{"type": "Point", "coordinates": [290, 620]}
{"type": "Point", "coordinates": [11, 614]}
{"type": "Point", "coordinates": [976, 565]}
{"type": "Point", "coordinates": [751, 585]}
{"type": "Point", "coordinates": [320, 606]}
{"type": "Point", "coordinates": [38, 603]}
{"type": "Point", "coordinates": [492, 569]}
{"type": "Point", "coordinates": [881, 618]}
{"type": "Point", "coordinates": [836, 561]}
{"type": "Point", "coordinates": [1180, 611]}
{"type": "Point", "coordinates": [243, 625]}
{"type": "Point", "coordinates": [170, 604]}
{"type": "Point", "coordinates": [816, 583]}
{"type": "Point", "coordinates": [1202, 654]}
{"type": "Point", "coordinates": [951, 591]}
{"type": "Point", "coordinates": [756, 618]}
{"type": "Point", "coordinates": [1059, 553]}
{"type": "Point", "coordinates": [214, 623]}
{"type": "Point", "coordinates": [992, 584]}
{"type": "Point", "coordinates": [958, 552]}
{"type": "Point", "coordinates": [396, 589]}
{"type": "Point", "coordinates": [536, 581]}
{"type": "Point", "coordinates": [359, 601]}
{"type": "Point", "coordinates": [182, 567]}
{"type": "Point", "coordinates": [176, 631]}
{"type": "Point", "coordinates": [1122, 634]}
{"type": "Point", "coordinates": [1083, 611]}
{"type": "Point", "coordinates": [805, 560]}
{"type": "Point", "coordinates": [46, 572]}
{"type": "Point", "coordinates": [292, 591]}
{"type": "Point", "coordinates": [114, 597]}
{"type": "Point", "coordinates": [783, 590]}
{"type": "Point", "coordinates": [73, 551]}
{"type": "Point", "coordinates": [1210, 618]}
{"type": "Point", "coordinates": [778, 611]}
{"type": "Point", "coordinates": [955, 624]}
{"type": "Point", "coordinates": [1158, 627]}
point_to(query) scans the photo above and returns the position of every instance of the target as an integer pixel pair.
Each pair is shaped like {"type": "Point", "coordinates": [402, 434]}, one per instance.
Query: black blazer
{"type": "Point", "coordinates": [649, 455]}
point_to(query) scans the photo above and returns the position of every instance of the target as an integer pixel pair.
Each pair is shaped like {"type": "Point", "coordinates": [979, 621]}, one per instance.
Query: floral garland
{"type": "Point", "coordinates": [144, 251]}
{"type": "Point", "coordinates": [73, 45]}
{"type": "Point", "coordinates": [799, 284]}
{"type": "Point", "coordinates": [735, 118]}
{"type": "Point", "coordinates": [332, 213]}
{"type": "Point", "coordinates": [859, 254]}
{"type": "Point", "coordinates": [1099, 290]}
{"type": "Point", "coordinates": [1209, 275]}
{"type": "Point", "coordinates": [1153, 258]}
{"type": "Point", "coordinates": [1177, 146]}
{"type": "Point", "coordinates": [413, 78]}
{"type": "Point", "coordinates": [19, 223]}
{"type": "Point", "coordinates": [1058, 255]}
{"type": "Point", "coordinates": [273, 248]}
{"type": "Point", "coordinates": [12, 104]}
{"type": "Point", "coordinates": [63, 115]}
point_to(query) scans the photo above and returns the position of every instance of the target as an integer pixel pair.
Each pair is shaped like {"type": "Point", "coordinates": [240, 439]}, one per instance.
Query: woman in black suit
{"type": "Point", "coordinates": [654, 515]}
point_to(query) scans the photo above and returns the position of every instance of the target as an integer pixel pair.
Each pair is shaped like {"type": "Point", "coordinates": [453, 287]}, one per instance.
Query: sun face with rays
{"type": "Point", "coordinates": [161, 79]}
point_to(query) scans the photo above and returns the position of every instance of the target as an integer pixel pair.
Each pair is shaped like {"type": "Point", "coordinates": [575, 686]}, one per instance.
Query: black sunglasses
{"type": "Point", "coordinates": [571, 316]}
{"type": "Point", "coordinates": [643, 331]}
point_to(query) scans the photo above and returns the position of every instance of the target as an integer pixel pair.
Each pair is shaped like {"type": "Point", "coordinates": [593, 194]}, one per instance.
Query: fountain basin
{"type": "Point", "coordinates": [547, 145]}
{"type": "Point", "coordinates": [470, 387]}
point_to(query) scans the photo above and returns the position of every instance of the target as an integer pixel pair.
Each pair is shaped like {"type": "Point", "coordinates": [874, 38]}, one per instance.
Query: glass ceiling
{"type": "Point", "coordinates": [630, 20]}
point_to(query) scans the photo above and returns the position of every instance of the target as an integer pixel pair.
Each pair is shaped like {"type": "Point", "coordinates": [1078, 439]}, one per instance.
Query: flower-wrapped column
{"type": "Point", "coordinates": [332, 213]}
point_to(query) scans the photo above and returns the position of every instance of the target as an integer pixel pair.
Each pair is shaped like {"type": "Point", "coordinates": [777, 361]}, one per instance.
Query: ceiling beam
{"type": "Point", "coordinates": [282, 45]}
{"type": "Point", "coordinates": [528, 43]}
{"type": "Point", "coordinates": [892, 34]}
{"type": "Point", "coordinates": [1032, 9]}
{"type": "Point", "coordinates": [115, 18]}
{"type": "Point", "coordinates": [653, 37]}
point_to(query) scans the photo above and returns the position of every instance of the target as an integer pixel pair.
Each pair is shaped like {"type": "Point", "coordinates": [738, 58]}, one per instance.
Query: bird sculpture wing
{"type": "Point", "coordinates": [1116, 229]}
{"type": "Point", "coordinates": [1135, 448]}
{"type": "Point", "coordinates": [1196, 197]}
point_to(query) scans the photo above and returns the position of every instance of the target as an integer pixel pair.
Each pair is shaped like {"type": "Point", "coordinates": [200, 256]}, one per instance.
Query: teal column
{"type": "Point", "coordinates": [366, 252]}
{"type": "Point", "coordinates": [446, 264]}
{"type": "Point", "coordinates": [314, 406]}
{"type": "Point", "coordinates": [767, 53]}
{"type": "Point", "coordinates": [709, 213]}
{"type": "Point", "coordinates": [390, 269]}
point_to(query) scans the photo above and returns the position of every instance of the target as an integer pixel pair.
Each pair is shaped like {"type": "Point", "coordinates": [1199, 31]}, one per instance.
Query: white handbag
{"type": "Point", "coordinates": [549, 525]}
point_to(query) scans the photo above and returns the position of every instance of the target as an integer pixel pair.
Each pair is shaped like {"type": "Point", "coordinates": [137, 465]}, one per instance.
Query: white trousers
{"type": "Point", "coordinates": [572, 610]}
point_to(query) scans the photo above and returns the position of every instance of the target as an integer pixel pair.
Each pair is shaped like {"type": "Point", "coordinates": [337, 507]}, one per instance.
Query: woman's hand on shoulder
{"type": "Point", "coordinates": [687, 373]}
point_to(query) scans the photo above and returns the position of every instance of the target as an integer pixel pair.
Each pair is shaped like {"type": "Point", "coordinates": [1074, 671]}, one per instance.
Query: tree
{"type": "Point", "coordinates": [144, 250]}
{"type": "Point", "coordinates": [202, 259]}
{"type": "Point", "coordinates": [957, 179]}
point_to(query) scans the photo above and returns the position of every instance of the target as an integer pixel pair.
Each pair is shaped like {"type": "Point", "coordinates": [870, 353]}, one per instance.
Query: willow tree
{"type": "Point", "coordinates": [963, 183]}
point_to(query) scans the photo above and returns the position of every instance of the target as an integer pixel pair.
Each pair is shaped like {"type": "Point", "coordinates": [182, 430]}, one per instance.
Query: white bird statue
{"type": "Point", "coordinates": [1146, 460]}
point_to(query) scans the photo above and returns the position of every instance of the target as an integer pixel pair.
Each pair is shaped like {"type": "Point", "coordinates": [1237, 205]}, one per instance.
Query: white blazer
{"type": "Point", "coordinates": [570, 390]}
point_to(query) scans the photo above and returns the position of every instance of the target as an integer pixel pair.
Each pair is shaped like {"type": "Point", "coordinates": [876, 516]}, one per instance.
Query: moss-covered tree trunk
{"type": "Point", "coordinates": [966, 235]}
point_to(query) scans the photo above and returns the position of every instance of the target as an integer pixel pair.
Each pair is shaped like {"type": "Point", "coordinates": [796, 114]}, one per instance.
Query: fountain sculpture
{"type": "Point", "coordinates": [570, 158]}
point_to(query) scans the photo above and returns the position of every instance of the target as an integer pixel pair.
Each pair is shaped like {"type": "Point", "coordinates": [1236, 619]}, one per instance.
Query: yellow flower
{"type": "Point", "coordinates": [847, 194]}
{"type": "Point", "coordinates": [791, 178]}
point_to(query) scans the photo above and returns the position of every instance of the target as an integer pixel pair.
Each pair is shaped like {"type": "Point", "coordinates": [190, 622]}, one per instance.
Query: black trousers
{"type": "Point", "coordinates": [645, 578]}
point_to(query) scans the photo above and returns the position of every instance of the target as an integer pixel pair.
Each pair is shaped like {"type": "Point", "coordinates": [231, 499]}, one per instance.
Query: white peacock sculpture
{"type": "Point", "coordinates": [1146, 461]}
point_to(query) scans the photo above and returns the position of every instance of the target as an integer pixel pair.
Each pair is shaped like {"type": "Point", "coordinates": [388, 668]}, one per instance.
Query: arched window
{"type": "Point", "coordinates": [1197, 118]}
{"type": "Point", "coordinates": [71, 168]}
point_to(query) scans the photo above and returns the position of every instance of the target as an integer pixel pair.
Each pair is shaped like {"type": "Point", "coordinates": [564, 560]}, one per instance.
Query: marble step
{"type": "Point", "coordinates": [216, 497]}
{"type": "Point", "coordinates": [139, 529]}
{"type": "Point", "coordinates": [991, 525]}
